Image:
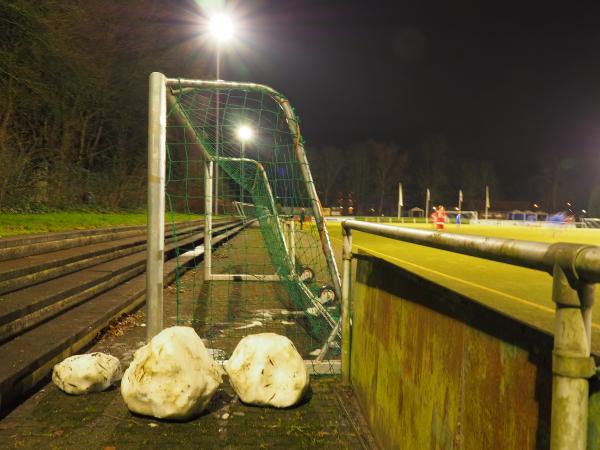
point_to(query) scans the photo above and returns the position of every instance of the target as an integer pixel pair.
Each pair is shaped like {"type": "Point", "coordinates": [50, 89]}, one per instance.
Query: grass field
{"type": "Point", "coordinates": [13, 224]}
{"type": "Point", "coordinates": [521, 293]}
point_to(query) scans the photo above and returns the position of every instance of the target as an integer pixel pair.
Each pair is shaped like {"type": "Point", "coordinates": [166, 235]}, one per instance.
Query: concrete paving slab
{"type": "Point", "coordinates": [328, 418]}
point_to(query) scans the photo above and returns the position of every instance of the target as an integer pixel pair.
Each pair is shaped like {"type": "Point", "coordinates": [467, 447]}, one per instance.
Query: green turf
{"type": "Point", "coordinates": [521, 293]}
{"type": "Point", "coordinates": [14, 224]}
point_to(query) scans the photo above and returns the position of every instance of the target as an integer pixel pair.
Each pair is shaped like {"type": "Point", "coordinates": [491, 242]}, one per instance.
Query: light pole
{"type": "Point", "coordinates": [221, 30]}
{"type": "Point", "coordinates": [245, 133]}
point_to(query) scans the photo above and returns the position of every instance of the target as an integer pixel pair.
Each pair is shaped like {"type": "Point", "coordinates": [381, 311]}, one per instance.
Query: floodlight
{"type": "Point", "coordinates": [245, 133]}
{"type": "Point", "coordinates": [221, 27]}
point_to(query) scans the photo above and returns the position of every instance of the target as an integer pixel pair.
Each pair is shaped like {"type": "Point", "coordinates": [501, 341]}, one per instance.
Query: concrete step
{"type": "Point", "coordinates": [30, 357]}
{"type": "Point", "coordinates": [27, 307]}
{"type": "Point", "coordinates": [28, 270]}
{"type": "Point", "coordinates": [19, 246]}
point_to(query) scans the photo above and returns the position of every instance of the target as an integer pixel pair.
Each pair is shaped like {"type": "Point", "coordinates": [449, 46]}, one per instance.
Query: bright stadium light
{"type": "Point", "coordinates": [245, 133]}
{"type": "Point", "coordinates": [221, 28]}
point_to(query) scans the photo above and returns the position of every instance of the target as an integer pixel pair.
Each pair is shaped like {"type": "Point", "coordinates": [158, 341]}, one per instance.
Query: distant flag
{"type": "Point", "coordinates": [427, 198]}
{"type": "Point", "coordinates": [400, 195]}
{"type": "Point", "coordinates": [460, 197]}
{"type": "Point", "coordinates": [487, 197]}
{"type": "Point", "coordinates": [400, 200]}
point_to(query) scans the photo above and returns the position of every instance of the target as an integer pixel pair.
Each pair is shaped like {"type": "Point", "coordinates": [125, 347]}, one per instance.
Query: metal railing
{"type": "Point", "coordinates": [575, 269]}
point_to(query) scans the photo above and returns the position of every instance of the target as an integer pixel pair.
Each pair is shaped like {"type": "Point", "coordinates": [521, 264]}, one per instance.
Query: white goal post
{"type": "Point", "coordinates": [163, 90]}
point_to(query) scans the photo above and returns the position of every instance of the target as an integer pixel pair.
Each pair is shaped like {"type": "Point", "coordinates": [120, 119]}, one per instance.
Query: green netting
{"type": "Point", "coordinates": [260, 185]}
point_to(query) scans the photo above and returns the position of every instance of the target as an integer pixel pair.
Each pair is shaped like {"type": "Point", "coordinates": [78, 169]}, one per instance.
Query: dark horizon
{"type": "Point", "coordinates": [503, 95]}
{"type": "Point", "coordinates": [517, 85]}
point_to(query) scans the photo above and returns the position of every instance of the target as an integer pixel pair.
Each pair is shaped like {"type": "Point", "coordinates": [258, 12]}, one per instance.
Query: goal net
{"type": "Point", "coordinates": [235, 156]}
{"type": "Point", "coordinates": [465, 216]}
{"type": "Point", "coordinates": [589, 222]}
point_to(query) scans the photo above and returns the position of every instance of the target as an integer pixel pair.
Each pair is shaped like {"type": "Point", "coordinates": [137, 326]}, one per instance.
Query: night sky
{"type": "Point", "coordinates": [511, 83]}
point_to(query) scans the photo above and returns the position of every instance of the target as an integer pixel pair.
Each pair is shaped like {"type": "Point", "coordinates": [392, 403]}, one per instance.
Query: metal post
{"type": "Point", "coordinates": [586, 294]}
{"type": "Point", "coordinates": [346, 313]}
{"type": "Point", "coordinates": [242, 172]}
{"type": "Point", "coordinates": [292, 241]}
{"type": "Point", "coordinates": [571, 364]}
{"type": "Point", "coordinates": [217, 130]}
{"type": "Point", "coordinates": [157, 133]}
{"type": "Point", "coordinates": [208, 183]}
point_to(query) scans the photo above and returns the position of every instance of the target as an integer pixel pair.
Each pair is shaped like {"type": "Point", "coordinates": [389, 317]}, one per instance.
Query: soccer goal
{"type": "Point", "coordinates": [590, 222]}
{"type": "Point", "coordinates": [232, 153]}
{"type": "Point", "coordinates": [465, 216]}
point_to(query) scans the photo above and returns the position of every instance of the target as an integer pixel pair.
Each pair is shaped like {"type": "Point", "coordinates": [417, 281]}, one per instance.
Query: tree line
{"type": "Point", "coordinates": [73, 99]}
{"type": "Point", "coordinates": [73, 117]}
{"type": "Point", "coordinates": [369, 172]}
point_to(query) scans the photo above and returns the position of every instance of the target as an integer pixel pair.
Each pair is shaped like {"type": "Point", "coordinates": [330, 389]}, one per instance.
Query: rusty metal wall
{"type": "Point", "coordinates": [433, 369]}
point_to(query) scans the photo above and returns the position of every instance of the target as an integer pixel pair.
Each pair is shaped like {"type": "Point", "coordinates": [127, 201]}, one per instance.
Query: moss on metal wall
{"type": "Point", "coordinates": [594, 416]}
{"type": "Point", "coordinates": [433, 369]}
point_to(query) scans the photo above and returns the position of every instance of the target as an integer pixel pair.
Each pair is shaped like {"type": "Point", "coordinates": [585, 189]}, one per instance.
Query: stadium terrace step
{"type": "Point", "coordinates": [20, 246]}
{"type": "Point", "coordinates": [27, 307]}
{"type": "Point", "coordinates": [22, 272]}
{"type": "Point", "coordinates": [30, 356]}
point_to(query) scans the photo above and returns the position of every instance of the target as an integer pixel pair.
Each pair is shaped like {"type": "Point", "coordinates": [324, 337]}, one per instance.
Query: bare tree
{"type": "Point", "coordinates": [432, 168]}
{"type": "Point", "coordinates": [389, 167]}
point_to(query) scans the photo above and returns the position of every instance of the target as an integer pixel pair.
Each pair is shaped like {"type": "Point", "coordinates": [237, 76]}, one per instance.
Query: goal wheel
{"type": "Point", "coordinates": [326, 295]}
{"type": "Point", "coordinates": [307, 275]}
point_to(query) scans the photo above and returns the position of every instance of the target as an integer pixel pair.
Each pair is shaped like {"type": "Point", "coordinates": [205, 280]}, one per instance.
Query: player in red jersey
{"type": "Point", "coordinates": [439, 218]}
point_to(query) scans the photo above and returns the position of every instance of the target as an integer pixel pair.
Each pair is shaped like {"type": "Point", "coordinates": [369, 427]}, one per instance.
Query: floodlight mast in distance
{"type": "Point", "coordinates": [221, 30]}
{"type": "Point", "coordinates": [244, 133]}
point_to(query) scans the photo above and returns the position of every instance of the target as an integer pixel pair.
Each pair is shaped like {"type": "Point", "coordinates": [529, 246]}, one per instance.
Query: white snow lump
{"type": "Point", "coordinates": [172, 377]}
{"type": "Point", "coordinates": [91, 372]}
{"type": "Point", "coordinates": [266, 369]}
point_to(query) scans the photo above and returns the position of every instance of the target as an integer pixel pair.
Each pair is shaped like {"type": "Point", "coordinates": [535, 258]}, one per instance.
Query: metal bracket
{"type": "Point", "coordinates": [563, 293]}
{"type": "Point", "coordinates": [573, 366]}
{"type": "Point", "coordinates": [565, 255]}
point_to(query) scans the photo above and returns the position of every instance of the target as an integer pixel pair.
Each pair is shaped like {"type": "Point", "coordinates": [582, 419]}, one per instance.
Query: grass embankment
{"type": "Point", "coordinates": [14, 224]}
{"type": "Point", "coordinates": [519, 292]}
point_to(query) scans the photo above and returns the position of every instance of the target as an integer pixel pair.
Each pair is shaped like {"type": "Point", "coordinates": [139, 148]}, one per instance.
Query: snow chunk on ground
{"type": "Point", "coordinates": [91, 372]}
{"type": "Point", "coordinates": [171, 377]}
{"type": "Point", "coordinates": [266, 369]}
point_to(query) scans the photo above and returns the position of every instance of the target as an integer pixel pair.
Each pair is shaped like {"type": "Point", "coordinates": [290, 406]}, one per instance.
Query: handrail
{"type": "Point", "coordinates": [584, 260]}
{"type": "Point", "coordinates": [575, 268]}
